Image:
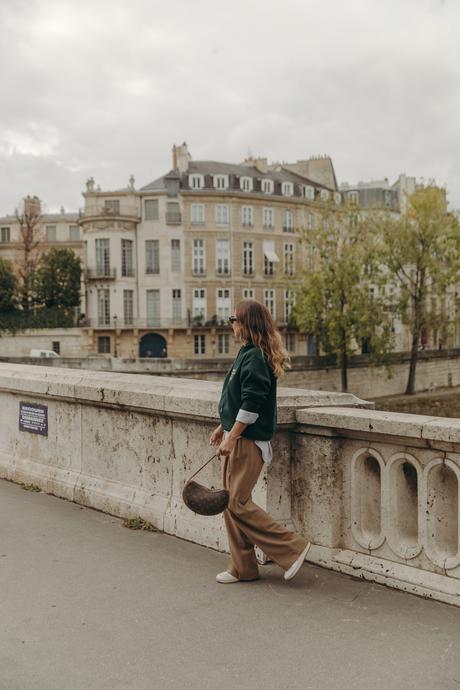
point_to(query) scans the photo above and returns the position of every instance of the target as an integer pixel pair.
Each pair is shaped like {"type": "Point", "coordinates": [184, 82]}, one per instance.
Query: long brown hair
{"type": "Point", "coordinates": [256, 325]}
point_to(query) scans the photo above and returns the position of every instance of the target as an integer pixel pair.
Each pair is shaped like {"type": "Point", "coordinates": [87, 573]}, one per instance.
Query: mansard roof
{"type": "Point", "coordinates": [234, 171]}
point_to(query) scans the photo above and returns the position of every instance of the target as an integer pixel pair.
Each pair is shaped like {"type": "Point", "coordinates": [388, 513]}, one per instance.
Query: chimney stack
{"type": "Point", "coordinates": [181, 158]}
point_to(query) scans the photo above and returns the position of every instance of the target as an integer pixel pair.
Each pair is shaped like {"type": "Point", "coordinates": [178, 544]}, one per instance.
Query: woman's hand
{"type": "Point", "coordinates": [227, 445]}
{"type": "Point", "coordinates": [216, 436]}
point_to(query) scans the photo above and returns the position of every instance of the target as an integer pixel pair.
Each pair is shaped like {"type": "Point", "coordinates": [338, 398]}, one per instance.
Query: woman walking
{"type": "Point", "coordinates": [247, 411]}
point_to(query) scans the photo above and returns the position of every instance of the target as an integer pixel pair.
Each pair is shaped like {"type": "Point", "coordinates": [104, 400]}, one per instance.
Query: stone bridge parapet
{"type": "Point", "coordinates": [376, 492]}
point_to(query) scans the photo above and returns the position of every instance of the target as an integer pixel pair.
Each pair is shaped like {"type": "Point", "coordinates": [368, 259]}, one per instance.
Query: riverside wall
{"type": "Point", "coordinates": [435, 369]}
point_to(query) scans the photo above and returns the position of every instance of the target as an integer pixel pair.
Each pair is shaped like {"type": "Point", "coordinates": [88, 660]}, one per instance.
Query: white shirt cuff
{"type": "Point", "coordinates": [247, 417]}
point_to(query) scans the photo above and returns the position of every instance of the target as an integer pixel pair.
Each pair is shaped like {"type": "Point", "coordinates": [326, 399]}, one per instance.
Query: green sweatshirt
{"type": "Point", "coordinates": [250, 385]}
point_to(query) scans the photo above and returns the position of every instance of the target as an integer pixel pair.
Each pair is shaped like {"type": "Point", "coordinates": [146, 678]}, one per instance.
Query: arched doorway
{"type": "Point", "coordinates": [152, 345]}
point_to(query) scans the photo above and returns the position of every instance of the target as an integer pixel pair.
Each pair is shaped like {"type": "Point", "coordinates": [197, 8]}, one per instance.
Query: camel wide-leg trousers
{"type": "Point", "coordinates": [247, 524]}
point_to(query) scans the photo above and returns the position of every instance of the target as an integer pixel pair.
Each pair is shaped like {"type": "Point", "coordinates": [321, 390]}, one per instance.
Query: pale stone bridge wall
{"type": "Point", "coordinates": [376, 492]}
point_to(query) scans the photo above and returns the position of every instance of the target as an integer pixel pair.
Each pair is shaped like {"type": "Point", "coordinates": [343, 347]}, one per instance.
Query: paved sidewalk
{"type": "Point", "coordinates": [87, 604]}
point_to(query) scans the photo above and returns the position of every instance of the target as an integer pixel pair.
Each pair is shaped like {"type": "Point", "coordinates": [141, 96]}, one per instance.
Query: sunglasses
{"type": "Point", "coordinates": [232, 319]}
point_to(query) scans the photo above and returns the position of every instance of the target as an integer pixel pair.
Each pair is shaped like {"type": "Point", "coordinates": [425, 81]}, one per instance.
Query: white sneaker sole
{"type": "Point", "coordinates": [226, 578]}
{"type": "Point", "coordinates": [295, 567]}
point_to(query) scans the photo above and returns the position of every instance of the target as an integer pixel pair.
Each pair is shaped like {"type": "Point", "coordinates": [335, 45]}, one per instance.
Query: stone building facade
{"type": "Point", "coordinates": [380, 193]}
{"type": "Point", "coordinates": [167, 263]}
{"type": "Point", "coordinates": [52, 230]}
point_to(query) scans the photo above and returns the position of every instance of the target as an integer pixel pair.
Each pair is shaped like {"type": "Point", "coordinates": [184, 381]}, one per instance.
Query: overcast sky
{"type": "Point", "coordinates": [106, 88]}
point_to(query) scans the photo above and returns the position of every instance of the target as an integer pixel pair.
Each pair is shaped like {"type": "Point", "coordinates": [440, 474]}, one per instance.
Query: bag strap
{"type": "Point", "coordinates": [216, 455]}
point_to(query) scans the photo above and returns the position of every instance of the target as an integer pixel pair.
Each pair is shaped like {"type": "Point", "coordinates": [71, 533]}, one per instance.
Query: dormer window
{"type": "Point", "coordinates": [246, 184]}
{"type": "Point", "coordinates": [196, 181]}
{"type": "Point", "coordinates": [324, 194]}
{"type": "Point", "coordinates": [337, 197]}
{"type": "Point", "coordinates": [220, 181]}
{"type": "Point", "coordinates": [309, 193]}
{"type": "Point", "coordinates": [287, 189]}
{"type": "Point", "coordinates": [267, 186]}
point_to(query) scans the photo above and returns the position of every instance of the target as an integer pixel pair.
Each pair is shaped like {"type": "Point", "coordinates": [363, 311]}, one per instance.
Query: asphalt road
{"type": "Point", "coordinates": [88, 604]}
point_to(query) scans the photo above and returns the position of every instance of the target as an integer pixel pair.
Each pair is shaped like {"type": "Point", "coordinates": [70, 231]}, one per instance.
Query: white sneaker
{"type": "Point", "coordinates": [226, 578]}
{"type": "Point", "coordinates": [295, 567]}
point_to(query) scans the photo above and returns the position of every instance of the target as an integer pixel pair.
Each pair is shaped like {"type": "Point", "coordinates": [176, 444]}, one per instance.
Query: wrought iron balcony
{"type": "Point", "coordinates": [103, 273]}
{"type": "Point", "coordinates": [157, 323]}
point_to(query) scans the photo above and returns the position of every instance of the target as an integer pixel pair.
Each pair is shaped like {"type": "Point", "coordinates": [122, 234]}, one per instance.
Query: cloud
{"type": "Point", "coordinates": [106, 89]}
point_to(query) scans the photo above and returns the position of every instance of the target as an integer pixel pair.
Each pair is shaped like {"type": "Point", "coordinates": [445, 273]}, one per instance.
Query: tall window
{"type": "Point", "coordinates": [5, 234]}
{"type": "Point", "coordinates": [112, 206]}
{"type": "Point", "coordinates": [246, 184]}
{"type": "Point", "coordinates": [267, 186]}
{"type": "Point", "coordinates": [51, 233]}
{"type": "Point", "coordinates": [103, 257]}
{"type": "Point", "coordinates": [220, 181]}
{"type": "Point", "coordinates": [309, 220]}
{"type": "Point", "coordinates": [248, 258]}
{"type": "Point", "coordinates": [268, 218]}
{"type": "Point", "coordinates": [74, 233]}
{"type": "Point", "coordinates": [127, 266]}
{"type": "Point", "coordinates": [103, 307]}
{"type": "Point", "coordinates": [269, 300]}
{"type": "Point", "coordinates": [324, 194]}
{"type": "Point", "coordinates": [223, 343]}
{"type": "Point", "coordinates": [153, 308]}
{"type": "Point", "coordinates": [199, 303]}
{"type": "Point", "coordinates": [289, 340]}
{"type": "Point", "coordinates": [200, 344]}
{"type": "Point", "coordinates": [198, 257]}
{"type": "Point", "coordinates": [288, 221]}
{"type": "Point", "coordinates": [270, 257]}
{"type": "Point", "coordinates": [288, 258]}
{"type": "Point", "coordinates": [309, 193]}
{"type": "Point", "coordinates": [223, 304]}
{"type": "Point", "coordinates": [152, 256]}
{"type": "Point", "coordinates": [151, 209]}
{"type": "Point", "coordinates": [196, 181]}
{"type": "Point", "coordinates": [248, 293]}
{"type": "Point", "coordinates": [175, 256]}
{"type": "Point", "coordinates": [128, 307]}
{"type": "Point", "coordinates": [222, 214]}
{"type": "Point", "coordinates": [247, 216]}
{"type": "Point", "coordinates": [197, 214]}
{"type": "Point", "coordinates": [223, 257]}
{"type": "Point", "coordinates": [289, 301]}
{"type": "Point", "coordinates": [287, 189]}
{"type": "Point", "coordinates": [312, 349]}
{"type": "Point", "coordinates": [173, 215]}
{"type": "Point", "coordinates": [176, 305]}
{"type": "Point", "coordinates": [103, 344]}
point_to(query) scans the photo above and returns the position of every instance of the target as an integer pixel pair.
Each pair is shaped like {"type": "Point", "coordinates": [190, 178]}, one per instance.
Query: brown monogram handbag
{"type": "Point", "coordinates": [202, 500]}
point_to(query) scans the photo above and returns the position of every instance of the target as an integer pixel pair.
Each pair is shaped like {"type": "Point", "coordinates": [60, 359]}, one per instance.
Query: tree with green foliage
{"type": "Point", "coordinates": [340, 300]}
{"type": "Point", "coordinates": [57, 279]}
{"type": "Point", "coordinates": [421, 250]}
{"type": "Point", "coordinates": [8, 287]}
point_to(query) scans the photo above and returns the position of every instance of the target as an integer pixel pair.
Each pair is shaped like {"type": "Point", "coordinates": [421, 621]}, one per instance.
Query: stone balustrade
{"type": "Point", "coordinates": [379, 496]}
{"type": "Point", "coordinates": [376, 492]}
